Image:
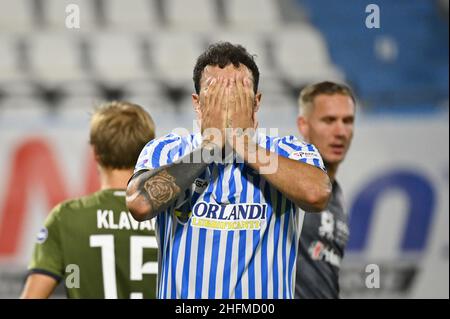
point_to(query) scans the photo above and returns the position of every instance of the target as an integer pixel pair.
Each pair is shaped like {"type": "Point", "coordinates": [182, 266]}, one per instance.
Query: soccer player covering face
{"type": "Point", "coordinates": [92, 243]}
{"type": "Point", "coordinates": [228, 207]}
{"type": "Point", "coordinates": [327, 112]}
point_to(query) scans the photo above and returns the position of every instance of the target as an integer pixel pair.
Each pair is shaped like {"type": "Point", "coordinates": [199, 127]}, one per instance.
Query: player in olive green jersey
{"type": "Point", "coordinates": [93, 243]}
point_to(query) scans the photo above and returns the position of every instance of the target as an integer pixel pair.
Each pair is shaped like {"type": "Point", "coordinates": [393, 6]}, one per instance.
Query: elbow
{"type": "Point", "coordinates": [319, 202]}
{"type": "Point", "coordinates": [138, 206]}
{"type": "Point", "coordinates": [319, 196]}
{"type": "Point", "coordinates": [138, 214]}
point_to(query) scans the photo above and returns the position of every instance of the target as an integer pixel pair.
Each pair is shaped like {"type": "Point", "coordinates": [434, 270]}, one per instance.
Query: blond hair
{"type": "Point", "coordinates": [310, 92]}
{"type": "Point", "coordinates": [119, 131]}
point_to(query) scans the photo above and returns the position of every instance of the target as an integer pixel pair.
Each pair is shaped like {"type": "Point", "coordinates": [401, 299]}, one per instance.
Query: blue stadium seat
{"type": "Point", "coordinates": [401, 61]}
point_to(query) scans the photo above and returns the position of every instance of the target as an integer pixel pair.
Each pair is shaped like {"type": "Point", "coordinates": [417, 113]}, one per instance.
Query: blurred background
{"type": "Point", "coordinates": [395, 177]}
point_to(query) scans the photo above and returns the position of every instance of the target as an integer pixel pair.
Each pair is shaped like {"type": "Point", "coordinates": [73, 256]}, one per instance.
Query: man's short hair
{"type": "Point", "coordinates": [119, 131]}
{"type": "Point", "coordinates": [310, 92]}
{"type": "Point", "coordinates": [222, 54]}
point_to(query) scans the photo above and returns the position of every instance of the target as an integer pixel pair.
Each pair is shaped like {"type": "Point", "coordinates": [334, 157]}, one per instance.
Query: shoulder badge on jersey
{"type": "Point", "coordinates": [42, 235]}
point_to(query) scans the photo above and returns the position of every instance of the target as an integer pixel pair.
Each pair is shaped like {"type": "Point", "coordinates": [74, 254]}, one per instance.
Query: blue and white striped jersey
{"type": "Point", "coordinates": [232, 235]}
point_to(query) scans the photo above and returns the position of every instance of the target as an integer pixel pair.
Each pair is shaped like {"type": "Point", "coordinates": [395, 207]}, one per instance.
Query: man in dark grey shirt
{"type": "Point", "coordinates": [327, 112]}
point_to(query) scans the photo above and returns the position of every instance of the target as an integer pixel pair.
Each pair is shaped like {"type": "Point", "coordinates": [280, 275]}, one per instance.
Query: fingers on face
{"type": "Point", "coordinates": [218, 90]}
{"type": "Point", "coordinates": [240, 91]}
{"type": "Point", "coordinates": [209, 90]}
{"type": "Point", "coordinates": [231, 92]}
{"type": "Point", "coordinates": [249, 95]}
{"type": "Point", "coordinates": [231, 95]}
{"type": "Point", "coordinates": [221, 100]}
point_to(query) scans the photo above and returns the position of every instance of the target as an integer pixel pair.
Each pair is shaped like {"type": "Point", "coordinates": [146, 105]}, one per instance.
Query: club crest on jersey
{"type": "Point", "coordinates": [302, 154]}
{"type": "Point", "coordinates": [242, 216]}
{"type": "Point", "coordinates": [42, 235]}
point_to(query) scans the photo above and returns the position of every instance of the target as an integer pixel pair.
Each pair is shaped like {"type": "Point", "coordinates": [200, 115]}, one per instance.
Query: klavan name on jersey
{"type": "Point", "coordinates": [105, 220]}
{"type": "Point", "coordinates": [228, 217]}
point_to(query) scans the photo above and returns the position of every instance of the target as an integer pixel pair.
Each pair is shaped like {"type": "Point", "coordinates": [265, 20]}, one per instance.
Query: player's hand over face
{"type": "Point", "coordinates": [241, 105]}
{"type": "Point", "coordinates": [214, 110]}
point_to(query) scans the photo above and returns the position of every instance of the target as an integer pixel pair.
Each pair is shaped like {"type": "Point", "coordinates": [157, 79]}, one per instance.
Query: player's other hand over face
{"type": "Point", "coordinates": [214, 109]}
{"type": "Point", "coordinates": [241, 103]}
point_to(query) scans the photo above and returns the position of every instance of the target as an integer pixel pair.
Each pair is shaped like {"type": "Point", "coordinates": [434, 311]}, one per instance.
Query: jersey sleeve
{"type": "Point", "coordinates": [160, 152]}
{"type": "Point", "coordinates": [295, 149]}
{"type": "Point", "coordinates": [47, 254]}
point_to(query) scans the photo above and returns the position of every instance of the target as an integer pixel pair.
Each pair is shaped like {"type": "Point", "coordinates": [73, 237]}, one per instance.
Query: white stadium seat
{"type": "Point", "coordinates": [13, 80]}
{"type": "Point", "coordinates": [78, 107]}
{"type": "Point", "coordinates": [117, 58]}
{"type": "Point", "coordinates": [276, 109]}
{"type": "Point", "coordinates": [161, 110]}
{"type": "Point", "coordinates": [253, 15]}
{"type": "Point", "coordinates": [9, 70]}
{"type": "Point", "coordinates": [192, 15]}
{"type": "Point", "coordinates": [16, 16]}
{"type": "Point", "coordinates": [55, 14]}
{"type": "Point", "coordinates": [22, 110]}
{"type": "Point", "coordinates": [132, 15]}
{"type": "Point", "coordinates": [174, 56]}
{"type": "Point", "coordinates": [149, 86]}
{"type": "Point", "coordinates": [256, 44]}
{"type": "Point", "coordinates": [302, 56]}
{"type": "Point", "coordinates": [56, 59]}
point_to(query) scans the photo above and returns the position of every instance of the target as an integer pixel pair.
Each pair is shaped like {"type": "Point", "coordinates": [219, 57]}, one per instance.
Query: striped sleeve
{"type": "Point", "coordinates": [163, 151]}
{"type": "Point", "coordinates": [160, 152]}
{"type": "Point", "coordinates": [293, 148]}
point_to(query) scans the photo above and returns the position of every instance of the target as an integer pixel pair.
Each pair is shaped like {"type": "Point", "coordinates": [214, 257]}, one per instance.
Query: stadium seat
{"type": "Point", "coordinates": [117, 58]}
{"type": "Point", "coordinates": [16, 16]}
{"type": "Point", "coordinates": [162, 111]}
{"type": "Point", "coordinates": [56, 59]}
{"type": "Point", "coordinates": [23, 110]}
{"type": "Point", "coordinates": [132, 15]}
{"type": "Point", "coordinates": [255, 43]}
{"type": "Point", "coordinates": [302, 56]}
{"type": "Point", "coordinates": [9, 70]}
{"type": "Point", "coordinates": [186, 117]}
{"type": "Point", "coordinates": [253, 15]}
{"type": "Point", "coordinates": [149, 86]}
{"type": "Point", "coordinates": [174, 55]}
{"type": "Point", "coordinates": [78, 107]}
{"type": "Point", "coordinates": [193, 15]}
{"type": "Point", "coordinates": [55, 14]}
{"type": "Point", "coordinates": [382, 64]}
{"type": "Point", "coordinates": [277, 109]}
{"type": "Point", "coordinates": [13, 79]}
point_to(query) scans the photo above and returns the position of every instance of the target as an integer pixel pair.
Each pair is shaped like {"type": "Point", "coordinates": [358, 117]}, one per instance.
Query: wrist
{"type": "Point", "coordinates": [244, 146]}
{"type": "Point", "coordinates": [209, 145]}
{"type": "Point", "coordinates": [213, 138]}
{"type": "Point", "coordinates": [210, 151]}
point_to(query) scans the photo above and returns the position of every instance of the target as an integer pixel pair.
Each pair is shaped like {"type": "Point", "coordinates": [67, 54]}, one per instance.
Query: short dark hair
{"type": "Point", "coordinates": [309, 93]}
{"type": "Point", "coordinates": [223, 54]}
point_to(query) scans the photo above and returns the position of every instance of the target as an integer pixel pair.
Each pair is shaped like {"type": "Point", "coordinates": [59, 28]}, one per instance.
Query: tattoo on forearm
{"type": "Point", "coordinates": [161, 189]}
